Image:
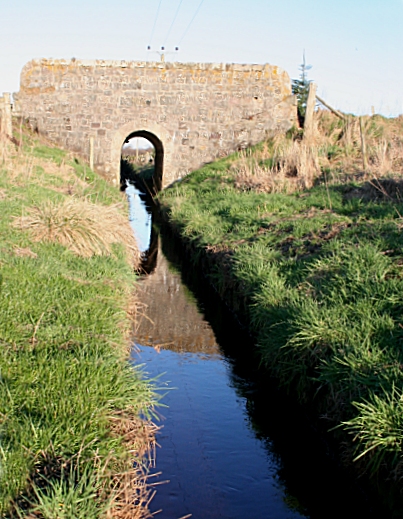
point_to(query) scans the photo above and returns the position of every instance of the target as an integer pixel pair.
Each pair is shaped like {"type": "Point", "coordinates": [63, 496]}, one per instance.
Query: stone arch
{"type": "Point", "coordinates": [155, 135]}
{"type": "Point", "coordinates": [198, 111]}
{"type": "Point", "coordinates": [159, 155]}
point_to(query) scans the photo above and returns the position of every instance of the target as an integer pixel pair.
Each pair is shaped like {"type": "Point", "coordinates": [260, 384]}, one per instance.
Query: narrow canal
{"type": "Point", "coordinates": [231, 445]}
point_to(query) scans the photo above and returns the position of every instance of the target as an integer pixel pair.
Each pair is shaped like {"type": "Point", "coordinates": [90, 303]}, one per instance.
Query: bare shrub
{"type": "Point", "coordinates": [84, 228]}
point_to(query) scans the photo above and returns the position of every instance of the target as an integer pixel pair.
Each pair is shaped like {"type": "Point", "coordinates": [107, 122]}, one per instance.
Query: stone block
{"type": "Point", "coordinates": [201, 109]}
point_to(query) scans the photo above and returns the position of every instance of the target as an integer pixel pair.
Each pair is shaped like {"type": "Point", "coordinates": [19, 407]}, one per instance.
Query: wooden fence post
{"type": "Point", "coordinates": [363, 145]}
{"type": "Point", "coordinates": [310, 107]}
{"type": "Point", "coordinates": [333, 110]}
{"type": "Point", "coordinates": [92, 153]}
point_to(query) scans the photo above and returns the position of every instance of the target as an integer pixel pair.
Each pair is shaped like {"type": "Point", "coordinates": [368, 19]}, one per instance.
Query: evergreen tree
{"type": "Point", "coordinates": [300, 88]}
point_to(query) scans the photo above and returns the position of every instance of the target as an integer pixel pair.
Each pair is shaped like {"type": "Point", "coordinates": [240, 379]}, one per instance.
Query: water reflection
{"type": "Point", "coordinates": [311, 477]}
{"type": "Point", "coordinates": [172, 319]}
{"type": "Point", "coordinates": [232, 445]}
{"type": "Point", "coordinates": [139, 216]}
{"type": "Point", "coordinates": [215, 465]}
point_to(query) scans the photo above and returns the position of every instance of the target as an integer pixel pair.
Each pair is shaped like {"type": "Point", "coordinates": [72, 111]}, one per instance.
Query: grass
{"type": "Point", "coordinates": [317, 273]}
{"type": "Point", "coordinates": [333, 153]}
{"type": "Point", "coordinates": [81, 226]}
{"type": "Point", "coordinates": [65, 382]}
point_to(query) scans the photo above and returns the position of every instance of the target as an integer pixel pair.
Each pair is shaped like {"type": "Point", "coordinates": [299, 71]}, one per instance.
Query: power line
{"type": "Point", "coordinates": [173, 21]}
{"type": "Point", "coordinates": [155, 22]}
{"type": "Point", "coordinates": [191, 21]}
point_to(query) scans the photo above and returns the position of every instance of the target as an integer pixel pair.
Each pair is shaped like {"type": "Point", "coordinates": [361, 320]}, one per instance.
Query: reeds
{"type": "Point", "coordinates": [281, 166]}
{"type": "Point", "coordinates": [334, 151]}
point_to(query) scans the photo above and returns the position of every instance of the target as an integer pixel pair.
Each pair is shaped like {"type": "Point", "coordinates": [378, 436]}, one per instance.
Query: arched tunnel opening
{"type": "Point", "coordinates": [142, 162]}
{"type": "Point", "coordinates": [141, 169]}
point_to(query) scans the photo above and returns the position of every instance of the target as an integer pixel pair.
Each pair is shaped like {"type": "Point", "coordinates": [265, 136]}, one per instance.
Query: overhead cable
{"type": "Point", "coordinates": [173, 21]}
{"type": "Point", "coordinates": [191, 21]}
{"type": "Point", "coordinates": [155, 23]}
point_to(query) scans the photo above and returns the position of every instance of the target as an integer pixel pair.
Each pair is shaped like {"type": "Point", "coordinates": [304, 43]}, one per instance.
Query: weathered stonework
{"type": "Point", "coordinates": [192, 112]}
{"type": "Point", "coordinates": [5, 116]}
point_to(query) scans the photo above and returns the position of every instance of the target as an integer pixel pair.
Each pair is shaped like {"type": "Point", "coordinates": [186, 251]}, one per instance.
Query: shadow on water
{"type": "Point", "coordinates": [314, 482]}
{"type": "Point", "coordinates": [233, 445]}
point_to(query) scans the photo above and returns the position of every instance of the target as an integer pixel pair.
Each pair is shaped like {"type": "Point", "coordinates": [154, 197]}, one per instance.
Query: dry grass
{"type": "Point", "coordinates": [22, 166]}
{"type": "Point", "coordinates": [130, 491]}
{"type": "Point", "coordinates": [341, 141]}
{"type": "Point", "coordinates": [24, 251]}
{"type": "Point", "coordinates": [293, 164]}
{"type": "Point", "coordinates": [19, 165]}
{"type": "Point", "coordinates": [287, 166]}
{"type": "Point", "coordinates": [84, 228]}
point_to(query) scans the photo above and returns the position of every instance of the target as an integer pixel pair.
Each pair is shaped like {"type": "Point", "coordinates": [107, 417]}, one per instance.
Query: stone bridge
{"type": "Point", "coordinates": [192, 113]}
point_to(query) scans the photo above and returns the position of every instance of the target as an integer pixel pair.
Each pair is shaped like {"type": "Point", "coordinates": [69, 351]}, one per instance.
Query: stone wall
{"type": "Point", "coordinates": [196, 111]}
{"type": "Point", "coordinates": [5, 116]}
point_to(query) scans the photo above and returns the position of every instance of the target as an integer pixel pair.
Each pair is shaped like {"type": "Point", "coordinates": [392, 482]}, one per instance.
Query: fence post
{"type": "Point", "coordinates": [310, 107]}
{"type": "Point", "coordinates": [92, 153]}
{"type": "Point", "coordinates": [363, 145]}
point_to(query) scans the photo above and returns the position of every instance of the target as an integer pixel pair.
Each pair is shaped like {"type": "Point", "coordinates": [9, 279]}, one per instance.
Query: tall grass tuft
{"type": "Point", "coordinates": [378, 430]}
{"type": "Point", "coordinates": [288, 163]}
{"type": "Point", "coordinates": [73, 495]}
{"type": "Point", "coordinates": [283, 166]}
{"type": "Point", "coordinates": [84, 228]}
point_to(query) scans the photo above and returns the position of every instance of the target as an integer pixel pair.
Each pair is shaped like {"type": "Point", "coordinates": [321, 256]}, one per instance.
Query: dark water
{"type": "Point", "coordinates": [215, 464]}
{"type": "Point", "coordinates": [231, 445]}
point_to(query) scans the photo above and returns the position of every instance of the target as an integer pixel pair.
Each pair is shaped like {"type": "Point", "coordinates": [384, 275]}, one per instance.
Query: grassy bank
{"type": "Point", "coordinates": [70, 402]}
{"type": "Point", "coordinates": [314, 263]}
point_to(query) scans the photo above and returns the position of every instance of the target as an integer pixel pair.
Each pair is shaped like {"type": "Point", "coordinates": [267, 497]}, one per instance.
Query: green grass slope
{"type": "Point", "coordinates": [319, 275]}
{"type": "Point", "coordinates": [64, 377]}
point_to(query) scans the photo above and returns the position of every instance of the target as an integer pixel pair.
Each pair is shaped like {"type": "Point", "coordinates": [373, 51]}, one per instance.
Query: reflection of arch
{"type": "Point", "coordinates": [159, 155]}
{"type": "Point", "coordinates": [154, 133]}
{"type": "Point", "coordinates": [149, 258]}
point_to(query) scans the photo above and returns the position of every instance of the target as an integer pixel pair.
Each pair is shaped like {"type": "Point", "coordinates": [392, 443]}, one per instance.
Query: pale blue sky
{"type": "Point", "coordinates": [355, 46]}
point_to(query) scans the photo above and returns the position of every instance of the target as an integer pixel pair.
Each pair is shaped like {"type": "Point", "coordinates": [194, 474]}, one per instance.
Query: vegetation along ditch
{"type": "Point", "coordinates": [302, 244]}
{"type": "Point", "coordinates": [306, 247]}
{"type": "Point", "coordinates": [74, 413]}
{"type": "Point", "coordinates": [232, 443]}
